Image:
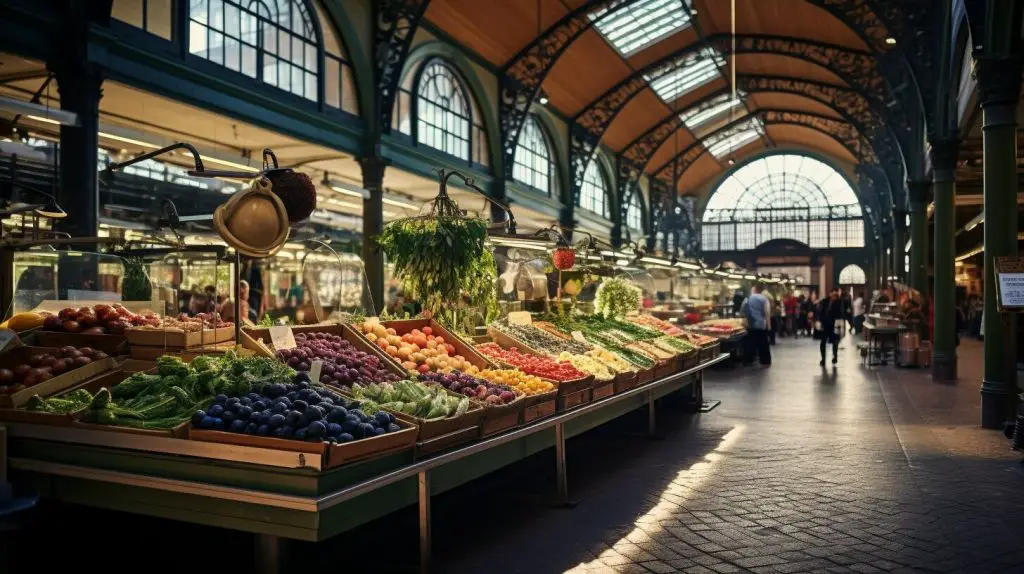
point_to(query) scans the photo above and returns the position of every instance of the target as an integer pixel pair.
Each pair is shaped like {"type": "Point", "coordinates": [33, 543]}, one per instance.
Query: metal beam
{"type": "Point", "coordinates": [395, 25]}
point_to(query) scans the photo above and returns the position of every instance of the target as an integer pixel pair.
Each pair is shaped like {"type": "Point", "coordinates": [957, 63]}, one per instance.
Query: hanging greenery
{"type": "Point", "coordinates": [615, 298]}
{"type": "Point", "coordinates": [135, 286]}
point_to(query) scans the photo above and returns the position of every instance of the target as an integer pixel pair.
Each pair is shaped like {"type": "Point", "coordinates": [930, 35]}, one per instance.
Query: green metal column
{"type": "Point", "coordinates": [899, 245]}
{"type": "Point", "coordinates": [944, 153]}
{"type": "Point", "coordinates": [919, 191]}
{"type": "Point", "coordinates": [373, 224]}
{"type": "Point", "coordinates": [999, 81]}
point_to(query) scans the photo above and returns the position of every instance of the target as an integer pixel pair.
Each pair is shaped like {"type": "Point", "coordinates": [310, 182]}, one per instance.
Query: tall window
{"type": "Point", "coordinates": [635, 213]}
{"type": "Point", "coordinates": [594, 193]}
{"type": "Point", "coordinates": [783, 196]}
{"type": "Point", "coordinates": [443, 111]}
{"type": "Point", "coordinates": [533, 159]}
{"type": "Point", "coordinates": [276, 42]}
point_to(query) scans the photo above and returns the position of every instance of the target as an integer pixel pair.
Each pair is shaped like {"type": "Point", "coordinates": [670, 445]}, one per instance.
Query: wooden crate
{"type": "Point", "coordinates": [539, 406]}
{"type": "Point", "coordinates": [625, 381]}
{"type": "Point", "coordinates": [333, 455]}
{"type": "Point", "coordinates": [259, 341]}
{"type": "Point", "coordinates": [110, 344]}
{"type": "Point", "coordinates": [176, 338]}
{"type": "Point", "coordinates": [180, 431]}
{"type": "Point", "coordinates": [498, 418]}
{"type": "Point", "coordinates": [148, 353]}
{"type": "Point", "coordinates": [645, 376]}
{"type": "Point", "coordinates": [506, 342]}
{"type": "Point", "coordinates": [461, 346]}
{"type": "Point", "coordinates": [49, 387]}
{"type": "Point", "coordinates": [572, 394]}
{"type": "Point", "coordinates": [709, 352]}
{"type": "Point", "coordinates": [602, 390]}
{"type": "Point", "coordinates": [690, 359]}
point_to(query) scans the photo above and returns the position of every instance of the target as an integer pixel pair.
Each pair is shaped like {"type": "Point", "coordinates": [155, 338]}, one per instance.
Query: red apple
{"type": "Point", "coordinates": [72, 326]}
{"type": "Point", "coordinates": [52, 323]}
{"type": "Point", "coordinates": [67, 313]}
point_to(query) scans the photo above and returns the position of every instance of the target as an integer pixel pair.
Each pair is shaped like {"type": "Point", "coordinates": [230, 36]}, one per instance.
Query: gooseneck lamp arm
{"type": "Point", "coordinates": [445, 176]}
{"type": "Point", "coordinates": [191, 149]}
{"type": "Point", "coordinates": [200, 170]}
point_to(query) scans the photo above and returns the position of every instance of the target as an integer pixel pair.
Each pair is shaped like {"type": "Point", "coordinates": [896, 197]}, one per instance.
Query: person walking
{"type": "Point", "coordinates": [757, 311]}
{"type": "Point", "coordinates": [858, 313]}
{"type": "Point", "coordinates": [791, 307]}
{"type": "Point", "coordinates": [827, 318]}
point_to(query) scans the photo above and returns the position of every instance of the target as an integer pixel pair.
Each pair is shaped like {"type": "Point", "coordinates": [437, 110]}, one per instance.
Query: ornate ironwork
{"type": "Point", "coordinates": [521, 77]}
{"type": "Point", "coordinates": [395, 24]}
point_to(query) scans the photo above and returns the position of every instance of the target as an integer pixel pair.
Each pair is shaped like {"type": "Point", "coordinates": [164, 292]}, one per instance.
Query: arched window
{"type": "Point", "coordinates": [443, 112]}
{"type": "Point", "coordinates": [533, 159]}
{"type": "Point", "coordinates": [852, 275]}
{"type": "Point", "coordinates": [277, 42]}
{"type": "Point", "coordinates": [594, 193]}
{"type": "Point", "coordinates": [783, 196]}
{"type": "Point", "coordinates": [635, 213]}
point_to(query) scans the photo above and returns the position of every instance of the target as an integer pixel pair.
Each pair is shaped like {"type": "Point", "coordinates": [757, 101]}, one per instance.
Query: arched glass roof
{"type": "Point", "coordinates": [782, 181]}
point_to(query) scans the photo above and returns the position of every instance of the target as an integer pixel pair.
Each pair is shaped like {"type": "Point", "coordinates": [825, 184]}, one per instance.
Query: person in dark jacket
{"type": "Point", "coordinates": [828, 315]}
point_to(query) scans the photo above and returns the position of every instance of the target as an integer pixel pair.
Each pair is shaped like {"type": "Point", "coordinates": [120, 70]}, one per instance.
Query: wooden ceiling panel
{"type": "Point", "coordinates": [700, 173]}
{"type": "Point", "coordinates": [587, 69]}
{"type": "Point", "coordinates": [779, 101]}
{"type": "Point", "coordinates": [495, 30]}
{"type": "Point", "coordinates": [642, 112]}
{"type": "Point", "coordinates": [669, 149]}
{"type": "Point", "coordinates": [794, 18]}
{"type": "Point", "coordinates": [779, 65]}
{"type": "Point", "coordinates": [809, 138]}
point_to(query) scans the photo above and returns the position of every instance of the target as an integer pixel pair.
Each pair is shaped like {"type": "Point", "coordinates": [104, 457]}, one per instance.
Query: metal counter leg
{"type": "Point", "coordinates": [423, 488]}
{"type": "Point", "coordinates": [652, 417]}
{"type": "Point", "coordinates": [269, 554]}
{"type": "Point", "coordinates": [561, 477]}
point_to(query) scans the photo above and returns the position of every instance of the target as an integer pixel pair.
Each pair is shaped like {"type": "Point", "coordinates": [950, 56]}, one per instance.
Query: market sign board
{"type": "Point", "coordinates": [1009, 276]}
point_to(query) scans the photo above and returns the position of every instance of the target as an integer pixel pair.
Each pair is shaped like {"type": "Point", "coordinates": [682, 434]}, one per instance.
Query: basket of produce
{"type": "Point", "coordinates": [574, 385]}
{"type": "Point", "coordinates": [533, 340]}
{"type": "Point", "coordinates": [345, 357]}
{"type": "Point", "coordinates": [63, 407]}
{"type": "Point", "coordinates": [181, 332]}
{"type": "Point", "coordinates": [443, 418]}
{"type": "Point", "coordinates": [422, 345]}
{"type": "Point", "coordinates": [163, 401]}
{"type": "Point", "coordinates": [296, 415]}
{"type": "Point", "coordinates": [503, 405]}
{"type": "Point", "coordinates": [26, 371]}
{"type": "Point", "coordinates": [652, 322]}
{"type": "Point", "coordinates": [100, 326]}
{"type": "Point", "coordinates": [541, 397]}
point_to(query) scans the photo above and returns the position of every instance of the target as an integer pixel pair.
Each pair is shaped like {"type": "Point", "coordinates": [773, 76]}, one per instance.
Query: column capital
{"type": "Point", "coordinates": [373, 171]}
{"type": "Point", "coordinates": [944, 153]}
{"type": "Point", "coordinates": [999, 79]}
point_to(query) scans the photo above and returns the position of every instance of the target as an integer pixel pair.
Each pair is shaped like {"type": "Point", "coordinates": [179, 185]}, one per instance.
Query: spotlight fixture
{"type": "Point", "coordinates": [543, 100]}
{"type": "Point", "coordinates": [890, 41]}
{"type": "Point", "coordinates": [732, 161]}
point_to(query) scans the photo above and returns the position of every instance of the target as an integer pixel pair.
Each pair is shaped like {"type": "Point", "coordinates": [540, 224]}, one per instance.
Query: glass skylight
{"type": "Point", "coordinates": [697, 117]}
{"type": "Point", "coordinates": [641, 24]}
{"type": "Point", "coordinates": [724, 143]}
{"type": "Point", "coordinates": [689, 72]}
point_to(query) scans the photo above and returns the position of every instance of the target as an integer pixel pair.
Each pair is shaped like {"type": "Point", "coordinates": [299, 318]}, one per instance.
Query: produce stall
{"type": "Point", "coordinates": [306, 431]}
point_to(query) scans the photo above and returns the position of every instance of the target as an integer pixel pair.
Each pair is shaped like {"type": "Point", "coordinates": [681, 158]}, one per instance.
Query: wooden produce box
{"type": "Point", "coordinates": [625, 381]}
{"type": "Point", "coordinates": [259, 341]}
{"type": "Point", "coordinates": [148, 353]}
{"type": "Point", "coordinates": [110, 344]}
{"type": "Point", "coordinates": [176, 338]}
{"type": "Point", "coordinates": [333, 455]}
{"type": "Point", "coordinates": [645, 376]}
{"type": "Point", "coordinates": [498, 418]}
{"type": "Point", "coordinates": [461, 347]}
{"type": "Point", "coordinates": [668, 367]}
{"type": "Point", "coordinates": [539, 406]}
{"type": "Point", "coordinates": [180, 431]}
{"type": "Point", "coordinates": [92, 384]}
{"type": "Point", "coordinates": [709, 352]}
{"type": "Point", "coordinates": [61, 382]}
{"type": "Point", "coordinates": [602, 390]}
{"type": "Point", "coordinates": [506, 342]}
{"type": "Point", "coordinates": [690, 359]}
{"type": "Point", "coordinates": [438, 434]}
{"type": "Point", "coordinates": [572, 394]}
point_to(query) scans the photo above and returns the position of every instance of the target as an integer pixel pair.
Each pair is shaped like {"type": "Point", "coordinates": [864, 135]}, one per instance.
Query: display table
{"type": "Point", "coordinates": [279, 494]}
{"type": "Point", "coordinates": [882, 342]}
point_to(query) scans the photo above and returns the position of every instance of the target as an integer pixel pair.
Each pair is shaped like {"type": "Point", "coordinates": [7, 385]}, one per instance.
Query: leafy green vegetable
{"type": "Point", "coordinates": [617, 297]}
{"type": "Point", "coordinates": [413, 398]}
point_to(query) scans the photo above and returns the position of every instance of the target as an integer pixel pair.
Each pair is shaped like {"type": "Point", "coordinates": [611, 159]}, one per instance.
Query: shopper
{"type": "Point", "coordinates": [775, 304]}
{"type": "Point", "coordinates": [791, 307]}
{"type": "Point", "coordinates": [757, 311]}
{"type": "Point", "coordinates": [737, 301]}
{"type": "Point", "coordinates": [827, 318]}
{"type": "Point", "coordinates": [858, 313]}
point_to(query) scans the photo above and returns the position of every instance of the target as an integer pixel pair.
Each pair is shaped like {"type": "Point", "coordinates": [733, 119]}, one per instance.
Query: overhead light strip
{"type": "Point", "coordinates": [689, 73]}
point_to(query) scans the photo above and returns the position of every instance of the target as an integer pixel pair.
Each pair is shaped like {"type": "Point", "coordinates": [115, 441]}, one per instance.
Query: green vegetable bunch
{"type": "Point", "coordinates": [615, 298]}
{"type": "Point", "coordinates": [442, 261]}
{"type": "Point", "coordinates": [413, 398]}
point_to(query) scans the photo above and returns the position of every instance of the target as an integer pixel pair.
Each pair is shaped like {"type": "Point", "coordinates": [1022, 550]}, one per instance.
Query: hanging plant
{"type": "Point", "coordinates": [135, 285]}
{"type": "Point", "coordinates": [616, 298]}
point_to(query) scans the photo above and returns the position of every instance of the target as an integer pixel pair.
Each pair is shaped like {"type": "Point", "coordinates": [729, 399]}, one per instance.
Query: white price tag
{"type": "Point", "coordinates": [1011, 289]}
{"type": "Point", "coordinates": [314, 371]}
{"type": "Point", "coordinates": [282, 337]}
{"type": "Point", "coordinates": [520, 318]}
{"type": "Point", "coordinates": [578, 335]}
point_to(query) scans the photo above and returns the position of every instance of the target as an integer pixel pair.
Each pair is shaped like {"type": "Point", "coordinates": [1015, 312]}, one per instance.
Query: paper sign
{"type": "Point", "coordinates": [578, 335]}
{"type": "Point", "coordinates": [1009, 272]}
{"type": "Point", "coordinates": [520, 318]}
{"type": "Point", "coordinates": [282, 337]}
{"type": "Point", "coordinates": [314, 371]}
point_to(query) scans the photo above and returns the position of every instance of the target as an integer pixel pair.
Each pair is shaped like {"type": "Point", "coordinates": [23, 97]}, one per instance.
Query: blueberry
{"type": "Point", "coordinates": [279, 408]}
{"type": "Point", "coordinates": [208, 422]}
{"type": "Point", "coordinates": [245, 401]}
{"type": "Point", "coordinates": [316, 429]}
{"type": "Point", "coordinates": [215, 410]}
{"type": "Point", "coordinates": [326, 402]}
{"type": "Point", "coordinates": [352, 417]}
{"type": "Point", "coordinates": [276, 420]}
{"type": "Point", "coordinates": [300, 405]}
{"type": "Point", "coordinates": [313, 413]}
{"type": "Point", "coordinates": [263, 430]}
{"type": "Point", "coordinates": [220, 399]}
{"type": "Point", "coordinates": [287, 431]}
{"type": "Point", "coordinates": [234, 407]}
{"type": "Point", "coordinates": [292, 395]}
{"type": "Point", "coordinates": [293, 418]}
{"type": "Point", "coordinates": [304, 394]}
{"type": "Point", "coordinates": [303, 422]}
{"type": "Point", "coordinates": [244, 412]}
{"type": "Point", "coordinates": [251, 428]}
{"type": "Point", "coordinates": [337, 415]}
{"type": "Point", "coordinates": [278, 432]}
{"type": "Point", "coordinates": [392, 427]}
{"type": "Point", "coordinates": [219, 424]}
{"type": "Point", "coordinates": [345, 437]}
{"type": "Point", "coordinates": [237, 425]}
{"type": "Point", "coordinates": [232, 401]}
{"type": "Point", "coordinates": [300, 434]}
{"type": "Point", "coordinates": [302, 384]}
{"type": "Point", "coordinates": [197, 417]}
{"type": "Point", "coordinates": [229, 417]}
{"type": "Point", "coordinates": [301, 377]}
{"type": "Point", "coordinates": [362, 416]}
{"type": "Point", "coordinates": [391, 417]}
{"type": "Point", "coordinates": [259, 405]}
{"type": "Point", "coordinates": [313, 398]}
{"type": "Point", "coordinates": [333, 429]}
{"type": "Point", "coordinates": [253, 397]}
{"type": "Point", "coordinates": [349, 426]}
{"type": "Point", "coordinates": [367, 429]}
{"type": "Point", "coordinates": [378, 431]}
{"type": "Point", "coordinates": [382, 418]}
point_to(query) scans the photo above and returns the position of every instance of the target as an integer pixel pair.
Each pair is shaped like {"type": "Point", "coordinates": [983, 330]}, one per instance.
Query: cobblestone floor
{"type": "Point", "coordinates": [799, 470]}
